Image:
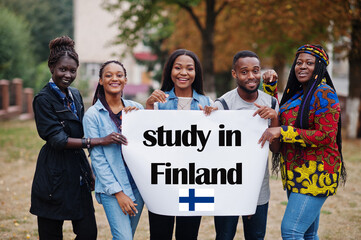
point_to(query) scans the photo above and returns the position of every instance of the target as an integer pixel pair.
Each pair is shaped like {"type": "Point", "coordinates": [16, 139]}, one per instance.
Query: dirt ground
{"type": "Point", "coordinates": [340, 216]}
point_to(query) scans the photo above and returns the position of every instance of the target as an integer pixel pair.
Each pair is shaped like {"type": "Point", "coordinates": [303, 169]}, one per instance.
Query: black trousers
{"type": "Point", "coordinates": [161, 227]}
{"type": "Point", "coordinates": [84, 229]}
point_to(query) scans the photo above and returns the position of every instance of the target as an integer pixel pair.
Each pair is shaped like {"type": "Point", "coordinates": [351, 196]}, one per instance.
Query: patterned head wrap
{"type": "Point", "coordinates": [314, 51]}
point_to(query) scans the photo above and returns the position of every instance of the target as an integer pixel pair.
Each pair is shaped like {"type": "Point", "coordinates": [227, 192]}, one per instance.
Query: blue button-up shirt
{"type": "Point", "coordinates": [107, 162]}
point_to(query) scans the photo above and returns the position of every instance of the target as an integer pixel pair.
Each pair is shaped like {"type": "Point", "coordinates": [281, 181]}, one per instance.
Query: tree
{"type": "Point", "coordinates": [280, 27]}
{"type": "Point", "coordinates": [272, 28]}
{"type": "Point", "coordinates": [144, 14]}
{"type": "Point", "coordinates": [316, 21]}
{"type": "Point", "coordinates": [46, 19]}
{"type": "Point", "coordinates": [155, 39]}
{"type": "Point", "coordinates": [42, 20]}
{"type": "Point", "coordinates": [354, 101]}
{"type": "Point", "coordinates": [16, 58]}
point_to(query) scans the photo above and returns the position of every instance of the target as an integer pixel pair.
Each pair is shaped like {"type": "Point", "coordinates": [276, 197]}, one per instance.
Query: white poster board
{"type": "Point", "coordinates": [186, 164]}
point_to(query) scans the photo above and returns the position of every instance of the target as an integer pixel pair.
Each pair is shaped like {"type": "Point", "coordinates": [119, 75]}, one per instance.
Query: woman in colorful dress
{"type": "Point", "coordinates": [310, 134]}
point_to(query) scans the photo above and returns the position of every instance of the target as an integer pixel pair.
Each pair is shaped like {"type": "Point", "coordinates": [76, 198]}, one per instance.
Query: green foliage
{"type": "Point", "coordinates": [16, 57]}
{"type": "Point", "coordinates": [82, 84]}
{"type": "Point", "coordinates": [43, 75]}
{"type": "Point", "coordinates": [148, 21]}
{"type": "Point", "coordinates": [154, 40]}
{"type": "Point", "coordinates": [26, 29]}
{"type": "Point", "coordinates": [138, 16]}
{"type": "Point", "coordinates": [46, 19]}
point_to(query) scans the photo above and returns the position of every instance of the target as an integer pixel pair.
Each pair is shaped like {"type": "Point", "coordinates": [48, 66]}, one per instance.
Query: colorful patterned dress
{"type": "Point", "coordinates": [310, 160]}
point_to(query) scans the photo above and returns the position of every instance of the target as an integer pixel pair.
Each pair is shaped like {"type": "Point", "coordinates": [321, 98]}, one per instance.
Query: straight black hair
{"type": "Point", "coordinates": [167, 83]}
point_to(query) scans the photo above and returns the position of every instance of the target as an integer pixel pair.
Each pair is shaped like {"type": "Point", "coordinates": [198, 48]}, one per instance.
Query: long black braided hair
{"type": "Point", "coordinates": [293, 86]}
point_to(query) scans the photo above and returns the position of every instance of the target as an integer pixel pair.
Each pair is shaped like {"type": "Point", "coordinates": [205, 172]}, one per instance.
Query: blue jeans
{"type": "Point", "coordinates": [302, 216]}
{"type": "Point", "coordinates": [253, 227]}
{"type": "Point", "coordinates": [122, 226]}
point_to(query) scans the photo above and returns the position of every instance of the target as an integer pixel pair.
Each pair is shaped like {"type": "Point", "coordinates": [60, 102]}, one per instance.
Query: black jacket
{"type": "Point", "coordinates": [55, 191]}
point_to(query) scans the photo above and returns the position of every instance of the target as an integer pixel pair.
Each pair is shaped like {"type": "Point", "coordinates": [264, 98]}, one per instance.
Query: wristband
{"type": "Point", "coordinates": [88, 141]}
{"type": "Point", "coordinates": [83, 143]}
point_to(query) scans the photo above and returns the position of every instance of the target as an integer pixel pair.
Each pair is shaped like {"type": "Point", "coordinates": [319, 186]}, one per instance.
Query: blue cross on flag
{"type": "Point", "coordinates": [196, 199]}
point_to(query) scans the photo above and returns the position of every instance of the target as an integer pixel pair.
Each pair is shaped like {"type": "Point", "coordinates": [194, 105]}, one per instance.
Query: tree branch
{"type": "Point", "coordinates": [224, 4]}
{"type": "Point", "coordinates": [194, 17]}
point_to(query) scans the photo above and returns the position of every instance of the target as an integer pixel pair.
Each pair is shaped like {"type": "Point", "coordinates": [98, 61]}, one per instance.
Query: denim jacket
{"type": "Point", "coordinates": [172, 101]}
{"type": "Point", "coordinates": [107, 161]}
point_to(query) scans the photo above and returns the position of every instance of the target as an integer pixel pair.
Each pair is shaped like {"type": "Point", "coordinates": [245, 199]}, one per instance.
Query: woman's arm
{"type": "Point", "coordinates": [272, 133]}
{"type": "Point", "coordinates": [50, 127]}
{"type": "Point", "coordinates": [326, 117]}
{"type": "Point", "coordinates": [270, 78]}
{"type": "Point", "coordinates": [100, 164]}
{"type": "Point", "coordinates": [156, 96]}
{"type": "Point", "coordinates": [114, 137]}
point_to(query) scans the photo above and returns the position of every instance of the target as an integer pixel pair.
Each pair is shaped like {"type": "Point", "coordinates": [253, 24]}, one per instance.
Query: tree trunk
{"type": "Point", "coordinates": [353, 112]}
{"type": "Point", "coordinates": [207, 61]}
{"type": "Point", "coordinates": [208, 48]}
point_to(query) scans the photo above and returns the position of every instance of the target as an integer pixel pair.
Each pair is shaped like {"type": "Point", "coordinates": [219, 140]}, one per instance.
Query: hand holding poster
{"type": "Point", "coordinates": [185, 163]}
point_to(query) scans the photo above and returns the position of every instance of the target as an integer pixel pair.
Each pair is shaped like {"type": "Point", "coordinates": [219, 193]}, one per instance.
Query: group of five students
{"type": "Point", "coordinates": [63, 179]}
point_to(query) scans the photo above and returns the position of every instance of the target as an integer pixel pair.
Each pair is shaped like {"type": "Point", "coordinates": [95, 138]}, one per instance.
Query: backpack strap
{"type": "Point", "coordinates": [225, 106]}
{"type": "Point", "coordinates": [273, 102]}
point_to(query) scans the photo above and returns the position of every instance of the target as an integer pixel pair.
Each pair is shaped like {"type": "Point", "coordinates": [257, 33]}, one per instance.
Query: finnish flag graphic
{"type": "Point", "coordinates": [196, 199]}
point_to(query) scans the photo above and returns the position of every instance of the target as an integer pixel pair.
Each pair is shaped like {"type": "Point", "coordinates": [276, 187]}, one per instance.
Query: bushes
{"type": "Point", "coordinates": [16, 56]}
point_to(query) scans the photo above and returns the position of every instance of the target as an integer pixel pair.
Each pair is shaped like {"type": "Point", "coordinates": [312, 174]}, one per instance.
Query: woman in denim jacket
{"type": "Point", "coordinates": [115, 188]}
{"type": "Point", "coordinates": [182, 89]}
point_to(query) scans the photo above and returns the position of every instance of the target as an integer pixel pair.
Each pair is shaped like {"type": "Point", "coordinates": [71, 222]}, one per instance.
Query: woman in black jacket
{"type": "Point", "coordinates": [63, 179]}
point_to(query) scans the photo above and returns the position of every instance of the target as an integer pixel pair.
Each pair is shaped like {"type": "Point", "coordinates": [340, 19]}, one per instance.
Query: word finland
{"type": "Point", "coordinates": [195, 176]}
{"type": "Point", "coordinates": [162, 137]}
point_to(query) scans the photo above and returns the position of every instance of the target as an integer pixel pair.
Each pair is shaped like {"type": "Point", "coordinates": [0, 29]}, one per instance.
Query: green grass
{"type": "Point", "coordinates": [9, 217]}
{"type": "Point", "coordinates": [351, 151]}
{"type": "Point", "coordinates": [326, 212]}
{"type": "Point", "coordinates": [19, 140]}
{"type": "Point", "coordinates": [4, 229]}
